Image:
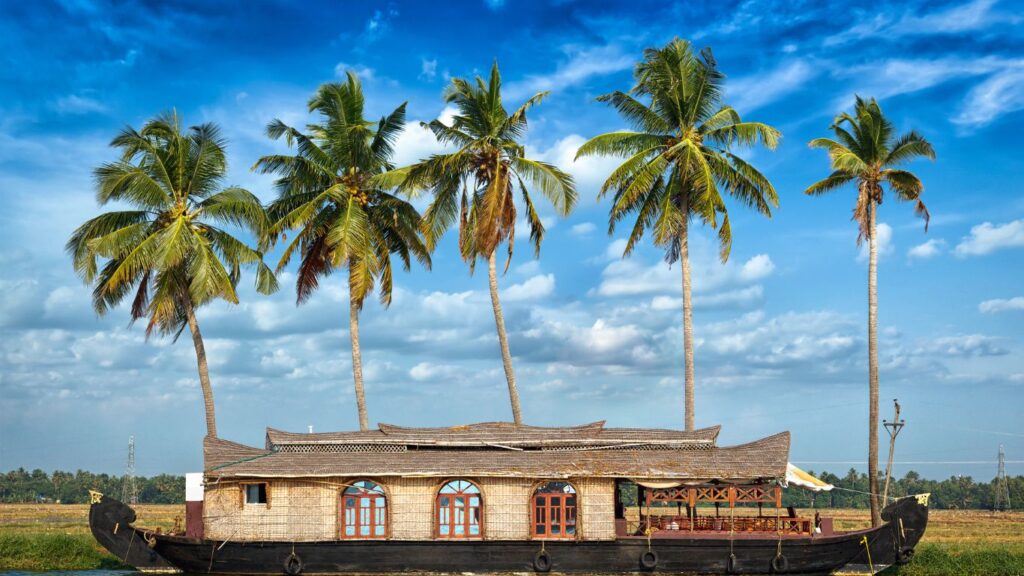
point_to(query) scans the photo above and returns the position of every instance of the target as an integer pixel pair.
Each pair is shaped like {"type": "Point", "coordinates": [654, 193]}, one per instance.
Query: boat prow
{"type": "Point", "coordinates": [111, 524]}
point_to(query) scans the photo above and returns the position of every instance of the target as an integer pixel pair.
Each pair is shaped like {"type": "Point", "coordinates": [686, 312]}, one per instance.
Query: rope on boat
{"type": "Point", "coordinates": [129, 550]}
{"type": "Point", "coordinates": [243, 460]}
{"type": "Point", "coordinates": [778, 528]}
{"type": "Point", "coordinates": [867, 548]}
{"type": "Point", "coordinates": [893, 498]}
{"type": "Point", "coordinates": [732, 526]}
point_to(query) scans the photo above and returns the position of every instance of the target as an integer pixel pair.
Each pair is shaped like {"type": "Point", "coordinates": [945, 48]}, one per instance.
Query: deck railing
{"type": "Point", "coordinates": [745, 524]}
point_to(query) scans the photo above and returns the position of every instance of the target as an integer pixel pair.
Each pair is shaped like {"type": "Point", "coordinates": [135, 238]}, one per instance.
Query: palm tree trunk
{"type": "Point", "coordinates": [357, 362]}
{"type": "Point", "coordinates": [684, 258]}
{"type": "Point", "coordinates": [506, 356]}
{"type": "Point", "coordinates": [204, 370]}
{"type": "Point", "coordinates": [876, 517]}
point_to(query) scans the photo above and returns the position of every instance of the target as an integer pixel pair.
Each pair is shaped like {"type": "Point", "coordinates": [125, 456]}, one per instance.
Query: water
{"type": "Point", "coordinates": [72, 573]}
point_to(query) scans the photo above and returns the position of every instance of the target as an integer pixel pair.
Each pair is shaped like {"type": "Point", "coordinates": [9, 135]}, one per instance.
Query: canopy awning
{"type": "Point", "coordinates": [797, 477]}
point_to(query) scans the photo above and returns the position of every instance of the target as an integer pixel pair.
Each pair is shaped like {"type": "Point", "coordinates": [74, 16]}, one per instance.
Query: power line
{"type": "Point", "coordinates": [921, 462]}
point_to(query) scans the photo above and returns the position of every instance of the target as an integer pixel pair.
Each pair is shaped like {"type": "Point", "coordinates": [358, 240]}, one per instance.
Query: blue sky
{"type": "Point", "coordinates": [780, 330]}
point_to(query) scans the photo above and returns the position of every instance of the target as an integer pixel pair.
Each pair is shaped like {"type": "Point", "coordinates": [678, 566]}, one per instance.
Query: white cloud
{"type": "Point", "coordinates": [74, 104]}
{"type": "Point", "coordinates": [583, 229]}
{"type": "Point", "coordinates": [528, 268]}
{"type": "Point", "coordinates": [602, 337]}
{"type": "Point", "coordinates": [428, 69]}
{"type": "Point", "coordinates": [883, 239]}
{"type": "Point", "coordinates": [793, 338]}
{"type": "Point", "coordinates": [628, 277]}
{"type": "Point", "coordinates": [738, 298]}
{"type": "Point", "coordinates": [927, 250]}
{"type": "Point", "coordinates": [615, 249]}
{"type": "Point", "coordinates": [1001, 305]}
{"type": "Point", "coordinates": [903, 76]}
{"type": "Point", "coordinates": [428, 371]}
{"type": "Point", "coordinates": [758, 267]}
{"type": "Point", "coordinates": [589, 172]}
{"type": "Point", "coordinates": [416, 143]}
{"type": "Point", "coordinates": [748, 93]}
{"type": "Point", "coordinates": [532, 289]}
{"type": "Point", "coordinates": [974, 15]}
{"type": "Point", "coordinates": [666, 303]}
{"type": "Point", "coordinates": [1000, 94]}
{"type": "Point", "coordinates": [363, 72]}
{"type": "Point", "coordinates": [963, 345]}
{"type": "Point", "coordinates": [582, 64]}
{"type": "Point", "coordinates": [987, 237]}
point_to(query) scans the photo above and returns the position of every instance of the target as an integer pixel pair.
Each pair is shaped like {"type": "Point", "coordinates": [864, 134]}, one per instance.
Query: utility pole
{"type": "Point", "coordinates": [893, 428]}
{"type": "Point", "coordinates": [129, 492]}
{"type": "Point", "coordinates": [1002, 500]}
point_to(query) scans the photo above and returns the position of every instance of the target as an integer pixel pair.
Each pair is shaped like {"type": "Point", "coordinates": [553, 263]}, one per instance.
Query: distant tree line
{"type": "Point", "coordinates": [956, 492]}
{"type": "Point", "coordinates": [73, 487]}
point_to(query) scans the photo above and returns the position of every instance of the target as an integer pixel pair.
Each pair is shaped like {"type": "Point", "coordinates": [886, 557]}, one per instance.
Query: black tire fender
{"type": "Point", "coordinates": [905, 555]}
{"type": "Point", "coordinates": [649, 560]}
{"type": "Point", "coordinates": [780, 564]}
{"type": "Point", "coordinates": [732, 566]}
{"type": "Point", "coordinates": [293, 565]}
{"type": "Point", "coordinates": [542, 561]}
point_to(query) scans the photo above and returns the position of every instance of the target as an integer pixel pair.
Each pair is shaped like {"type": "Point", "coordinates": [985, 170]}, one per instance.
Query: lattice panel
{"type": "Point", "coordinates": [626, 447]}
{"type": "Point", "coordinates": [342, 448]}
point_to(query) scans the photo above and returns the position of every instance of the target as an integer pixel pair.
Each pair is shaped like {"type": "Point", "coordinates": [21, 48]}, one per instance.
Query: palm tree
{"type": "Point", "coordinates": [679, 163]}
{"type": "Point", "coordinates": [168, 250]}
{"type": "Point", "coordinates": [328, 192]}
{"type": "Point", "coordinates": [477, 184]}
{"type": "Point", "coordinates": [865, 152]}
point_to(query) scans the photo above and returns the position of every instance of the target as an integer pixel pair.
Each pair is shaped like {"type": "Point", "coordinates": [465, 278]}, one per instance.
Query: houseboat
{"type": "Point", "coordinates": [499, 497]}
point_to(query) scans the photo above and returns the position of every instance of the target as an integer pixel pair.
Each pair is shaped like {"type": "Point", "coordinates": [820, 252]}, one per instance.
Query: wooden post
{"type": "Point", "coordinates": [620, 511]}
{"type": "Point", "coordinates": [692, 494]}
{"type": "Point", "coordinates": [893, 428]}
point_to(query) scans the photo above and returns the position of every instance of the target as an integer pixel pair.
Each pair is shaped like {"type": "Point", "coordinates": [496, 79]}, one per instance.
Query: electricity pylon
{"type": "Point", "coordinates": [1002, 500]}
{"type": "Point", "coordinates": [129, 491]}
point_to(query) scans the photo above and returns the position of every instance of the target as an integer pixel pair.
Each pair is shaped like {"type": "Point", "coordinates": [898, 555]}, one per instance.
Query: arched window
{"type": "Point", "coordinates": [364, 511]}
{"type": "Point", "coordinates": [554, 511]}
{"type": "Point", "coordinates": [459, 510]}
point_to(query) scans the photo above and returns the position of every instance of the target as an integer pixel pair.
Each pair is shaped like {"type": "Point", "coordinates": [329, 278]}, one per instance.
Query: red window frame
{"type": "Point", "coordinates": [459, 511]}
{"type": "Point", "coordinates": [364, 512]}
{"type": "Point", "coordinates": [553, 511]}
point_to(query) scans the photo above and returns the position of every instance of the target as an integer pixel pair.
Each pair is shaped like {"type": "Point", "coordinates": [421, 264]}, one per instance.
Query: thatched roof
{"type": "Point", "coordinates": [502, 450]}
{"type": "Point", "coordinates": [489, 434]}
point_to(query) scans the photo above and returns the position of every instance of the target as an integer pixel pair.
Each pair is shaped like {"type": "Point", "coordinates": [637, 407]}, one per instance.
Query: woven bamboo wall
{"type": "Point", "coordinates": [412, 507]}
{"type": "Point", "coordinates": [303, 510]}
{"type": "Point", "coordinates": [507, 508]}
{"type": "Point", "coordinates": [596, 508]}
{"type": "Point", "coordinates": [298, 511]}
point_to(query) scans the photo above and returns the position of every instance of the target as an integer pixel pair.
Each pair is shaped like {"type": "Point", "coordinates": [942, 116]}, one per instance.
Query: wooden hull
{"type": "Point", "coordinates": [701, 555]}
{"type": "Point", "coordinates": [111, 524]}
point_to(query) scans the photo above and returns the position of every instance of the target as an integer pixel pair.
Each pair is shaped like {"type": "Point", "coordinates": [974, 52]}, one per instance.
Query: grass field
{"type": "Point", "coordinates": [961, 543]}
{"type": "Point", "coordinates": [57, 537]}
